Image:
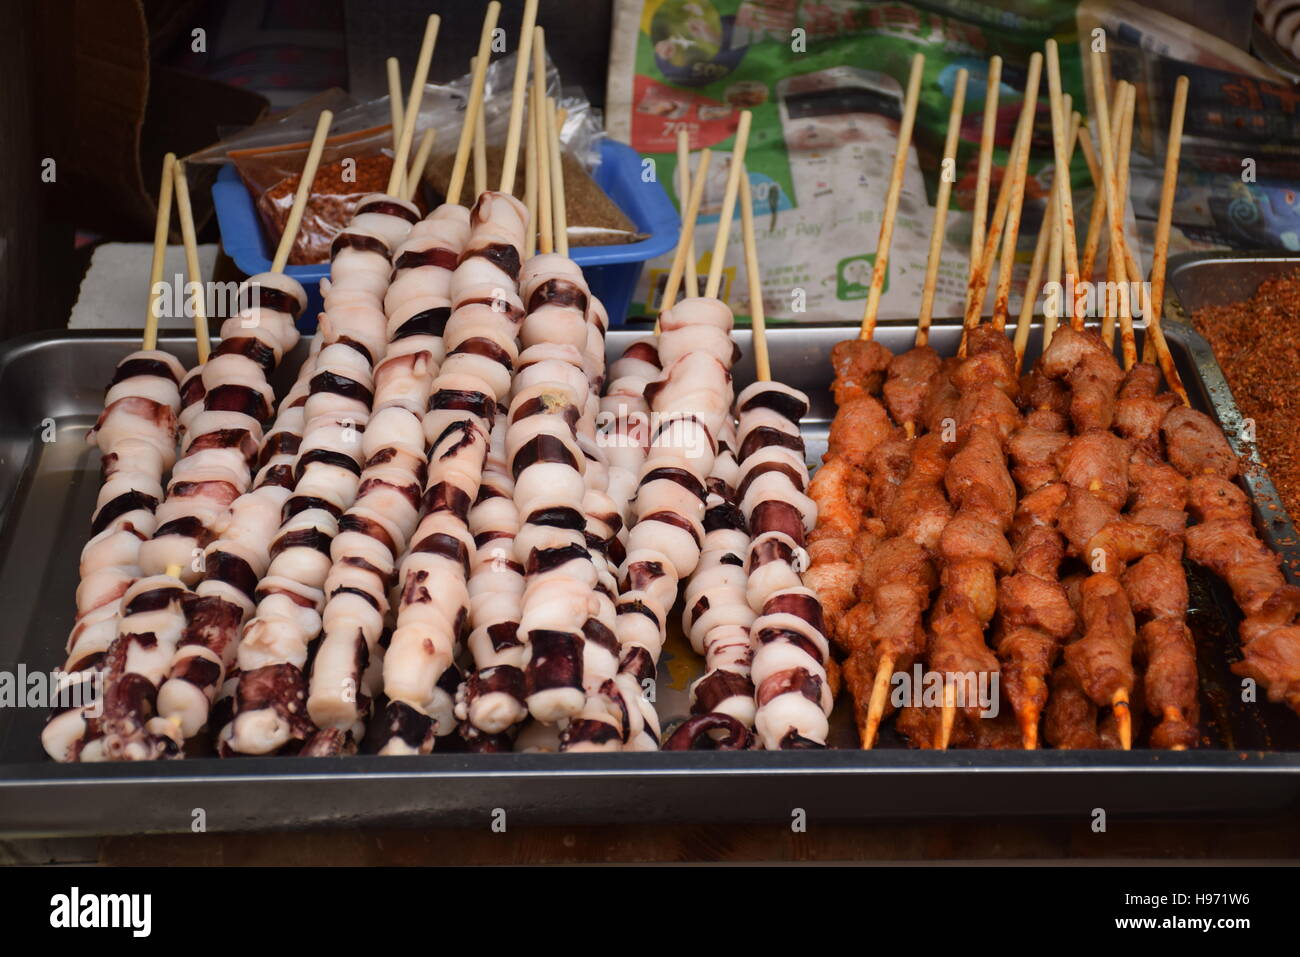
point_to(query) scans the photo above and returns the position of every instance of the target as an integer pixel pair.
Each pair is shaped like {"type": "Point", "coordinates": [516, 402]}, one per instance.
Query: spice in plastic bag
{"type": "Point", "coordinates": [352, 166]}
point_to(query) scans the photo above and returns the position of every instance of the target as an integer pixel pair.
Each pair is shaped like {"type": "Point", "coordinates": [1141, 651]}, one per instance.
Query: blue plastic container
{"type": "Point", "coordinates": [612, 271]}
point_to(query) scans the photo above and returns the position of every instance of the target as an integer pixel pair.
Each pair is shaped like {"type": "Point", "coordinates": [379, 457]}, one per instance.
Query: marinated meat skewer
{"type": "Point", "coordinates": [910, 377]}
{"type": "Point", "coordinates": [887, 629]}
{"type": "Point", "coordinates": [840, 543]}
{"type": "Point", "coordinates": [1094, 465]}
{"type": "Point", "coordinates": [1157, 588]}
{"type": "Point", "coordinates": [1224, 541]}
{"type": "Point", "coordinates": [1034, 611]}
{"type": "Point", "coordinates": [973, 549]}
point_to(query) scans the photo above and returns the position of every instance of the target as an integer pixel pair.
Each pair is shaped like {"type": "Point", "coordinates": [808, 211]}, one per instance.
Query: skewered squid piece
{"type": "Point", "coordinates": [420, 677]}
{"type": "Point", "coordinates": [266, 709]}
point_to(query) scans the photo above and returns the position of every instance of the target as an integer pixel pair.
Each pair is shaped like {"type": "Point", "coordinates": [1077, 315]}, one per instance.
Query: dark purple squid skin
{"type": "Point", "coordinates": [638, 661]}
{"type": "Point", "coordinates": [696, 734]}
{"type": "Point", "coordinates": [128, 704]}
{"type": "Point", "coordinates": [719, 686]}
{"type": "Point", "coordinates": [329, 743]}
{"type": "Point", "coordinates": [588, 730]}
{"type": "Point", "coordinates": [556, 661]}
{"type": "Point", "coordinates": [413, 728]}
{"type": "Point", "coordinates": [793, 741]}
{"type": "Point", "coordinates": [503, 679]}
{"type": "Point", "coordinates": [476, 742]}
{"type": "Point", "coordinates": [283, 688]}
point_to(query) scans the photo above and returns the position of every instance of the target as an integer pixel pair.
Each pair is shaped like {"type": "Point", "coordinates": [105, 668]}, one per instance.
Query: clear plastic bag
{"type": "Point", "coordinates": [358, 158]}
{"type": "Point", "coordinates": [352, 165]}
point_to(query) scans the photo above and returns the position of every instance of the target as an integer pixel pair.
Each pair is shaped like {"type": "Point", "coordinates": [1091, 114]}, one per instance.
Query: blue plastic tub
{"type": "Point", "coordinates": [612, 271]}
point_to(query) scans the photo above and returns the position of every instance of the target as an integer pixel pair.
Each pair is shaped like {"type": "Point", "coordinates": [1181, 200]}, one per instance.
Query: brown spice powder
{"type": "Point", "coordinates": [1256, 344]}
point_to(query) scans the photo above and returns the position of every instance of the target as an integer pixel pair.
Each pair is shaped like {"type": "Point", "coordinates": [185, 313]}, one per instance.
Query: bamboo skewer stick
{"type": "Point", "coordinates": [531, 168]}
{"type": "Point", "coordinates": [683, 190]}
{"type": "Point", "coordinates": [876, 706]}
{"type": "Point", "coordinates": [478, 77]}
{"type": "Point", "coordinates": [993, 233]}
{"type": "Point", "coordinates": [984, 174]}
{"type": "Point", "coordinates": [1125, 268]}
{"type": "Point", "coordinates": [395, 105]}
{"type": "Point", "coordinates": [545, 219]}
{"type": "Point", "coordinates": [1010, 197]}
{"type": "Point", "coordinates": [734, 175]}
{"type": "Point", "coordinates": [1116, 261]}
{"type": "Point", "coordinates": [510, 160]}
{"type": "Point", "coordinates": [546, 222]}
{"type": "Point", "coordinates": [1011, 233]}
{"type": "Point", "coordinates": [558, 206]}
{"type": "Point", "coordinates": [411, 109]}
{"type": "Point", "coordinates": [937, 227]}
{"type": "Point", "coordinates": [1097, 218]}
{"type": "Point", "coordinates": [1124, 155]}
{"type": "Point", "coordinates": [1046, 233]}
{"type": "Point", "coordinates": [416, 175]}
{"type": "Point", "coordinates": [1054, 257]}
{"type": "Point", "coordinates": [480, 147]}
{"type": "Point", "coordinates": [537, 120]}
{"type": "Point", "coordinates": [881, 266]}
{"type": "Point", "coordinates": [978, 287]}
{"type": "Point", "coordinates": [1119, 702]}
{"type": "Point", "coordinates": [1069, 245]}
{"type": "Point", "coordinates": [1156, 346]}
{"type": "Point", "coordinates": [678, 268]}
{"type": "Point", "coordinates": [558, 210]}
{"type": "Point", "coordinates": [947, 716]}
{"type": "Point", "coordinates": [303, 193]}
{"type": "Point", "coordinates": [161, 223]}
{"type": "Point", "coordinates": [1099, 208]}
{"type": "Point", "coordinates": [1108, 150]}
{"type": "Point", "coordinates": [202, 340]}
{"type": "Point", "coordinates": [985, 169]}
{"type": "Point", "coordinates": [758, 320]}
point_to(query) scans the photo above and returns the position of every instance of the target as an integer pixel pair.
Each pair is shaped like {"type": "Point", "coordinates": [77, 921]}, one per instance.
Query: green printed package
{"type": "Point", "coordinates": [824, 81]}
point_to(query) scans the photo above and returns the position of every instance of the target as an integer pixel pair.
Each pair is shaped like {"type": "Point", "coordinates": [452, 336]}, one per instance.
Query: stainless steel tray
{"type": "Point", "coordinates": [48, 490]}
{"type": "Point", "coordinates": [1199, 280]}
